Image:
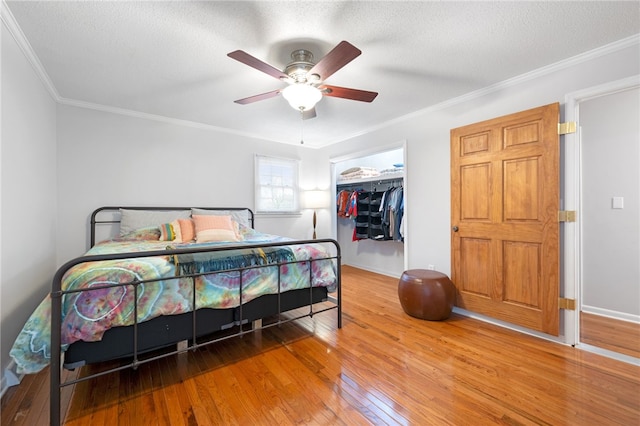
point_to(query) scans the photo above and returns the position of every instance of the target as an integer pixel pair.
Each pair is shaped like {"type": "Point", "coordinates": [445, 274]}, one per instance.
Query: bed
{"type": "Point", "coordinates": [135, 292]}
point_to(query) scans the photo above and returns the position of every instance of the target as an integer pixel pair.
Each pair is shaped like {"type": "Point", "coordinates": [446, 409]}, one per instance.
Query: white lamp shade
{"type": "Point", "coordinates": [302, 96]}
{"type": "Point", "coordinates": [316, 199]}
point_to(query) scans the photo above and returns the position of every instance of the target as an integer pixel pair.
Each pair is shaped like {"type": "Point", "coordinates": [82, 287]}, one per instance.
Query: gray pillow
{"type": "Point", "coordinates": [130, 220]}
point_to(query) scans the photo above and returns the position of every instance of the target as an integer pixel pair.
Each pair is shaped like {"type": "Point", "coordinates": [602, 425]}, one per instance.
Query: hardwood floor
{"type": "Point", "coordinates": [382, 367]}
{"type": "Point", "coordinates": [611, 334]}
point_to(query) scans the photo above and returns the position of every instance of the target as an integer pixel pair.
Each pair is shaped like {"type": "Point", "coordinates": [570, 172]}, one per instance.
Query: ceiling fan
{"type": "Point", "coordinates": [306, 79]}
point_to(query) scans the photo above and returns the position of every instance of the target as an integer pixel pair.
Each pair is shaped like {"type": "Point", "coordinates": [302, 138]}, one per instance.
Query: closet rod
{"type": "Point", "coordinates": [370, 185]}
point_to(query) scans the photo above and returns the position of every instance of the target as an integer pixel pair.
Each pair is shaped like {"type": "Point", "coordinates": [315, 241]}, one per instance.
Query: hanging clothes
{"type": "Point", "coordinates": [352, 205]}
{"type": "Point", "coordinates": [342, 202]}
{"type": "Point", "coordinates": [377, 215]}
{"type": "Point", "coordinates": [397, 212]}
{"type": "Point", "coordinates": [392, 209]}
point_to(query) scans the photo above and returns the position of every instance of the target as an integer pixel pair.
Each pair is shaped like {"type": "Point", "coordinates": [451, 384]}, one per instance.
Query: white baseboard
{"type": "Point", "coordinates": [376, 270]}
{"type": "Point", "coordinates": [611, 314]}
{"type": "Point", "coordinates": [9, 378]}
{"type": "Point", "coordinates": [609, 354]}
{"type": "Point", "coordinates": [559, 339]}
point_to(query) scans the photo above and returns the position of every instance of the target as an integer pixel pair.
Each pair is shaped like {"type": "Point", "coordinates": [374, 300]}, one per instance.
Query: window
{"type": "Point", "coordinates": [276, 185]}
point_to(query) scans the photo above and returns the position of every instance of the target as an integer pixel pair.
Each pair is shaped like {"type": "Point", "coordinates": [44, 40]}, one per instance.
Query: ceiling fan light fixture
{"type": "Point", "coordinates": [302, 97]}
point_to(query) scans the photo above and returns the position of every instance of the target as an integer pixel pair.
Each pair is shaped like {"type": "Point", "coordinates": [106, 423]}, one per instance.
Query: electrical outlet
{"type": "Point", "coordinates": [431, 268]}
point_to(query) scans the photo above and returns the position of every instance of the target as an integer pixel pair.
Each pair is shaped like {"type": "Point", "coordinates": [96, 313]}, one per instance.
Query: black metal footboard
{"type": "Point", "coordinates": [243, 313]}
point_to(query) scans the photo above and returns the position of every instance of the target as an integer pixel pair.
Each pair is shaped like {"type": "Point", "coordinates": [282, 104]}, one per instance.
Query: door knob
{"type": "Point", "coordinates": [455, 229]}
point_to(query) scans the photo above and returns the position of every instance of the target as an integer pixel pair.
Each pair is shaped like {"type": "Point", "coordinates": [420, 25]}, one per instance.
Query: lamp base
{"type": "Point", "coordinates": [314, 224]}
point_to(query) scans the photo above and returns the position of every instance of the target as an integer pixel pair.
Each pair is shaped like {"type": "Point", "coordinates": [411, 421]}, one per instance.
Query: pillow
{"type": "Point", "coordinates": [131, 220]}
{"type": "Point", "coordinates": [187, 230]}
{"type": "Point", "coordinates": [240, 216]}
{"type": "Point", "coordinates": [214, 228]}
{"type": "Point", "coordinates": [171, 231]}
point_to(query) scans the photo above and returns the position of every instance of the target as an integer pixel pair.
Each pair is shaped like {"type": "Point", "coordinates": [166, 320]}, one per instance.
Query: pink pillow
{"type": "Point", "coordinates": [214, 228]}
{"type": "Point", "coordinates": [187, 229]}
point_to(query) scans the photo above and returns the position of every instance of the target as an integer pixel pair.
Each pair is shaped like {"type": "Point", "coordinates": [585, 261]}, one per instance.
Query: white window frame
{"type": "Point", "coordinates": [263, 207]}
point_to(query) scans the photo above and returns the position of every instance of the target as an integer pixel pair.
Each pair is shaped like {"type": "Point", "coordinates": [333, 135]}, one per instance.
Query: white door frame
{"type": "Point", "coordinates": [572, 231]}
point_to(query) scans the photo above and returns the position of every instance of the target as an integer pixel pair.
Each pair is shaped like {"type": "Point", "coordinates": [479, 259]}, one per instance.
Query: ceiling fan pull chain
{"type": "Point", "coordinates": [301, 126]}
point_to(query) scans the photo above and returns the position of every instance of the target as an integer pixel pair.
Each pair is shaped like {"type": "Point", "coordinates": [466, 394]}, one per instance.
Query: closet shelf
{"type": "Point", "coordinates": [382, 178]}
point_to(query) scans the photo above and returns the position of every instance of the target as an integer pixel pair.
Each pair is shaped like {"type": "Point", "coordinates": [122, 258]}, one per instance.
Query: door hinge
{"type": "Point", "coordinates": [568, 127]}
{"type": "Point", "coordinates": [564, 303]}
{"type": "Point", "coordinates": [567, 216]}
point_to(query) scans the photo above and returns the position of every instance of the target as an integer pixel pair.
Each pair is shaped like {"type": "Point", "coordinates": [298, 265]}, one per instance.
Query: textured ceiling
{"type": "Point", "coordinates": [169, 58]}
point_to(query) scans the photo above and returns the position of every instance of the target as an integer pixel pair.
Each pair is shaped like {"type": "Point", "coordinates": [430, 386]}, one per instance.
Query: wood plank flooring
{"type": "Point", "coordinates": [611, 334]}
{"type": "Point", "coordinates": [382, 367]}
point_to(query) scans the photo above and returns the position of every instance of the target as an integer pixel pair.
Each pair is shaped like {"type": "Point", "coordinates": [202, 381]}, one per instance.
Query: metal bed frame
{"type": "Point", "coordinates": [192, 343]}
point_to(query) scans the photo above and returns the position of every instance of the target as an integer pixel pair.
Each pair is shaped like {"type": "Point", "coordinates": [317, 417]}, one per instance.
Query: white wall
{"type": "Point", "coordinates": [610, 151]}
{"type": "Point", "coordinates": [427, 183]}
{"type": "Point", "coordinates": [111, 159]}
{"type": "Point", "coordinates": [29, 193]}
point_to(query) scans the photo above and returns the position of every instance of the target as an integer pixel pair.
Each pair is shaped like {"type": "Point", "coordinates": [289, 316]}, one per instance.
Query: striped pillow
{"type": "Point", "coordinates": [171, 232]}
{"type": "Point", "coordinates": [214, 228]}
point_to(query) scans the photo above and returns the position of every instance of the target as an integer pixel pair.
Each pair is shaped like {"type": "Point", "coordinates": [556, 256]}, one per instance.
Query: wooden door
{"type": "Point", "coordinates": [504, 212]}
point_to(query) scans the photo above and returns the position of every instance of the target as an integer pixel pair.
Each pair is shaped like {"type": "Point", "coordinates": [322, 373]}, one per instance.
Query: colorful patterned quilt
{"type": "Point", "coordinates": [87, 315]}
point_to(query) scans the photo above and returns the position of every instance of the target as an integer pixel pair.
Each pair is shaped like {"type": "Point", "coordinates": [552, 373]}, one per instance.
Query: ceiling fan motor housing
{"type": "Point", "coordinates": [300, 65]}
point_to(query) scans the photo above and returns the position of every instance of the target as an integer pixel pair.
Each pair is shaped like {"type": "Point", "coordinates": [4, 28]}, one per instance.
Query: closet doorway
{"type": "Point", "coordinates": [606, 187]}
{"type": "Point", "coordinates": [371, 175]}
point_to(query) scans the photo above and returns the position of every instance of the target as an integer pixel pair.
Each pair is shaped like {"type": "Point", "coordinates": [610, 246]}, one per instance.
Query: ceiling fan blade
{"type": "Point", "coordinates": [340, 56]}
{"type": "Point", "coordinates": [346, 93]}
{"type": "Point", "coordinates": [256, 63]}
{"type": "Point", "coordinates": [257, 98]}
{"type": "Point", "coordinates": [310, 113]}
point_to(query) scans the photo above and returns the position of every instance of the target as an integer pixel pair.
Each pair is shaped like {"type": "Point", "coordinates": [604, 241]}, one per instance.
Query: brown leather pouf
{"type": "Point", "coordinates": [426, 294]}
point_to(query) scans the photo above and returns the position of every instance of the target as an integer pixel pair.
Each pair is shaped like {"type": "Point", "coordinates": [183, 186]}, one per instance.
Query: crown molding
{"type": "Point", "coordinates": [16, 32]}
{"type": "Point", "coordinates": [531, 75]}
{"type": "Point", "coordinates": [160, 118]}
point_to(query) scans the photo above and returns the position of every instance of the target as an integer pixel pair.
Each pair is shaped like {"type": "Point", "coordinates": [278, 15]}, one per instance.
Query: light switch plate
{"type": "Point", "coordinates": [617, 203]}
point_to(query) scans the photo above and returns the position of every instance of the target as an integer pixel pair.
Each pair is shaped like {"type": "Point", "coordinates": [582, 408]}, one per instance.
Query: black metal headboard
{"type": "Point", "coordinates": [114, 214]}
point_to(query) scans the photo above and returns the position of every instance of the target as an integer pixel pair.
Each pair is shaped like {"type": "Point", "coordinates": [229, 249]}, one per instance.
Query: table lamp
{"type": "Point", "coordinates": [316, 199]}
